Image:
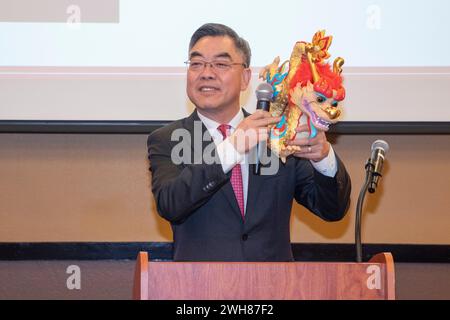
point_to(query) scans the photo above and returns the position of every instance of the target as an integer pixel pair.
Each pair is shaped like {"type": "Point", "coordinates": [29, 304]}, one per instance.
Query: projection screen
{"type": "Point", "coordinates": [123, 60]}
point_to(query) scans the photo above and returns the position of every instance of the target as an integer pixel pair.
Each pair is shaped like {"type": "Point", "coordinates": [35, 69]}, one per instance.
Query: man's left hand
{"type": "Point", "coordinates": [314, 149]}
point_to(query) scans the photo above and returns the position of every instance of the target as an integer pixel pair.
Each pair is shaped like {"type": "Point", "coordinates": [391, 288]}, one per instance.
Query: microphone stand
{"type": "Point", "coordinates": [369, 174]}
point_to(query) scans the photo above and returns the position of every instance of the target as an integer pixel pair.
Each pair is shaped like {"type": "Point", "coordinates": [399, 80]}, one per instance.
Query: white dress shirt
{"type": "Point", "coordinates": [229, 157]}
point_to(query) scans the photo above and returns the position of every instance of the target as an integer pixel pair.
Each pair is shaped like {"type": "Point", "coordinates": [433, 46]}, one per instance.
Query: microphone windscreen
{"type": "Point", "coordinates": [380, 144]}
{"type": "Point", "coordinates": [264, 91]}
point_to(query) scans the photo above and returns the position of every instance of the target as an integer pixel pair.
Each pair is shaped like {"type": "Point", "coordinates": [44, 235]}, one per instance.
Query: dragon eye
{"type": "Point", "coordinates": [334, 104]}
{"type": "Point", "coordinates": [320, 99]}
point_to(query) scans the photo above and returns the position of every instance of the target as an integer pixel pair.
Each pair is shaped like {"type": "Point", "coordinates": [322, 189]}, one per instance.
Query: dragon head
{"type": "Point", "coordinates": [321, 100]}
{"type": "Point", "coordinates": [309, 90]}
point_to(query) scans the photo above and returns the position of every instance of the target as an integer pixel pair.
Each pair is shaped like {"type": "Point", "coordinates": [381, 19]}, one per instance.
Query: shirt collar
{"type": "Point", "coordinates": [212, 125]}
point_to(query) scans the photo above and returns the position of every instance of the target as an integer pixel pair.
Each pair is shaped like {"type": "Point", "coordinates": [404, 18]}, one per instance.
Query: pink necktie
{"type": "Point", "coordinates": [236, 174]}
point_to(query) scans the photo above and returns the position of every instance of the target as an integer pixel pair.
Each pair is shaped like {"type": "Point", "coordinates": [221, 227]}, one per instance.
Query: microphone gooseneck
{"type": "Point", "coordinates": [374, 167]}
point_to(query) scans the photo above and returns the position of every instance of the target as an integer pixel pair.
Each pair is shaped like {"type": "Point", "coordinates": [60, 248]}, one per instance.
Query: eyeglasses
{"type": "Point", "coordinates": [219, 66]}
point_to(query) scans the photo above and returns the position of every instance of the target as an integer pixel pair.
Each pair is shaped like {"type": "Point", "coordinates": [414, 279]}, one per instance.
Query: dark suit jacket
{"type": "Point", "coordinates": [199, 202]}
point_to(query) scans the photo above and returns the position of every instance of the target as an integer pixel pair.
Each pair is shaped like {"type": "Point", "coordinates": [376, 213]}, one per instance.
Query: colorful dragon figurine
{"type": "Point", "coordinates": [306, 91]}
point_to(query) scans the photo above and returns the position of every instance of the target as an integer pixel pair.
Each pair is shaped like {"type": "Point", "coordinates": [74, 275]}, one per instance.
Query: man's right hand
{"type": "Point", "coordinates": [251, 130]}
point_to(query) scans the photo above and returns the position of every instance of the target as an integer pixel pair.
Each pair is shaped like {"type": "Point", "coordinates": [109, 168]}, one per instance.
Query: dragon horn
{"type": "Point", "coordinates": [337, 65]}
{"type": "Point", "coordinates": [314, 72]}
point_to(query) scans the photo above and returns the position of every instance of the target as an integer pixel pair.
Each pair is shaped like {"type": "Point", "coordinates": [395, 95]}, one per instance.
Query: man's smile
{"type": "Point", "coordinates": [208, 90]}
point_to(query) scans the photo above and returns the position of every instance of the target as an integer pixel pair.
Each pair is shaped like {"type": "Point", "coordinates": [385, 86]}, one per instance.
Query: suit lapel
{"type": "Point", "coordinates": [255, 185]}
{"type": "Point", "coordinates": [198, 131]}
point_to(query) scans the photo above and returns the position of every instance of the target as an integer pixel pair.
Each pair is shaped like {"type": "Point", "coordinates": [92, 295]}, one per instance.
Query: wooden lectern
{"type": "Point", "coordinates": [264, 280]}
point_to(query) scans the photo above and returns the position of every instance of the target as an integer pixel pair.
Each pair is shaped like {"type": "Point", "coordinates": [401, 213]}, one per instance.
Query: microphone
{"type": "Point", "coordinates": [374, 166]}
{"type": "Point", "coordinates": [379, 150]}
{"type": "Point", "coordinates": [264, 93]}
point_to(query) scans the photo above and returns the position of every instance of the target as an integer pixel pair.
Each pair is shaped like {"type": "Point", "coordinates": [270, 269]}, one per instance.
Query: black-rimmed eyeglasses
{"type": "Point", "coordinates": [221, 66]}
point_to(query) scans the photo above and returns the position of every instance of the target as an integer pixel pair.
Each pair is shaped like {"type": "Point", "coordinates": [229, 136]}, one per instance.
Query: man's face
{"type": "Point", "coordinates": [212, 89]}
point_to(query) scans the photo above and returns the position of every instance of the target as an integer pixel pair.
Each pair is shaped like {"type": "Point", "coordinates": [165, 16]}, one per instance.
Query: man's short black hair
{"type": "Point", "coordinates": [218, 30]}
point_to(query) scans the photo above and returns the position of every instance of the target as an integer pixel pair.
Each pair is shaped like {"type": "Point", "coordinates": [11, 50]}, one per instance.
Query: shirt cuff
{"type": "Point", "coordinates": [328, 165]}
{"type": "Point", "coordinates": [228, 155]}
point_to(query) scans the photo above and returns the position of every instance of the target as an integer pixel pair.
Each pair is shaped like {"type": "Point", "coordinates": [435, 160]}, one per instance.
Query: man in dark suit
{"type": "Point", "coordinates": [220, 210]}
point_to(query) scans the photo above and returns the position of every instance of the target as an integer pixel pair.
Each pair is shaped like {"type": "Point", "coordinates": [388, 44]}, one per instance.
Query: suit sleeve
{"type": "Point", "coordinates": [179, 189]}
{"type": "Point", "coordinates": [326, 197]}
